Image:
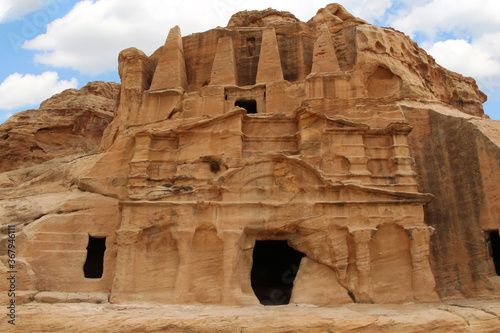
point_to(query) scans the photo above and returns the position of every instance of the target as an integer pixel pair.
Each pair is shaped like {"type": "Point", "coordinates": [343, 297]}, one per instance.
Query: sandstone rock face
{"type": "Point", "coordinates": [271, 161]}
{"type": "Point", "coordinates": [68, 123]}
{"type": "Point", "coordinates": [458, 160]}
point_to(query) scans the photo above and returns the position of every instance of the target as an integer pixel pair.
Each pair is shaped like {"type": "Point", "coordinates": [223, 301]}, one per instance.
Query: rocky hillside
{"type": "Point", "coordinates": [68, 123]}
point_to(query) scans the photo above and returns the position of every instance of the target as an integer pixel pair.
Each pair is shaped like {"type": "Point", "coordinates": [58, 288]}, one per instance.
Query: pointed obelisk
{"type": "Point", "coordinates": [170, 72]}
{"type": "Point", "coordinates": [324, 56]}
{"type": "Point", "coordinates": [269, 67]}
{"type": "Point", "coordinates": [224, 65]}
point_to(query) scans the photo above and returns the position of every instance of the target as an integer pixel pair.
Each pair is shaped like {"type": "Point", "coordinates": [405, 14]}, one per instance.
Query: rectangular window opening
{"type": "Point", "coordinates": [249, 105]}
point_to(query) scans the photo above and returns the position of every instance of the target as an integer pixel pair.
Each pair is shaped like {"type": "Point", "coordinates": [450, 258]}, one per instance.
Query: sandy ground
{"type": "Point", "coordinates": [451, 316]}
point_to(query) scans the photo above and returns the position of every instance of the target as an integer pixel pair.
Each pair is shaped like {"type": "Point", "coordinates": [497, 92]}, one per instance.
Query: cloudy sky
{"type": "Point", "coordinates": [51, 45]}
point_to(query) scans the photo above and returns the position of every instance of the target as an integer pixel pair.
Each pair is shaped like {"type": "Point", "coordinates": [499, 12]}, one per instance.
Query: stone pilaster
{"type": "Point", "coordinates": [231, 252]}
{"type": "Point", "coordinates": [362, 238]}
{"type": "Point", "coordinates": [423, 279]}
{"type": "Point", "coordinates": [125, 261]}
{"type": "Point", "coordinates": [140, 161]}
{"type": "Point", "coordinates": [401, 156]}
{"type": "Point", "coordinates": [354, 152]}
{"type": "Point", "coordinates": [184, 239]}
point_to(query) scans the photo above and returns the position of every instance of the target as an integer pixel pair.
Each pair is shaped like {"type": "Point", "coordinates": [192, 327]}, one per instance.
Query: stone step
{"type": "Point", "coordinates": [64, 297]}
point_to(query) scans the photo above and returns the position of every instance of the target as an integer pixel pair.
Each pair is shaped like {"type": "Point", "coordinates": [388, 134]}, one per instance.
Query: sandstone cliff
{"type": "Point", "coordinates": [340, 146]}
{"type": "Point", "coordinates": [457, 158]}
{"type": "Point", "coordinates": [68, 123]}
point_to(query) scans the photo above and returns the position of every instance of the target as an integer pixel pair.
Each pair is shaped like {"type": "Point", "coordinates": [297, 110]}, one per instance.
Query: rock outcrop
{"type": "Point", "coordinates": [271, 161]}
{"type": "Point", "coordinates": [68, 123]}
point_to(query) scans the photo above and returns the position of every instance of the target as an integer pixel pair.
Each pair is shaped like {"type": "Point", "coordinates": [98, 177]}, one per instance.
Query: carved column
{"type": "Point", "coordinates": [125, 261]}
{"type": "Point", "coordinates": [184, 239]}
{"type": "Point", "coordinates": [358, 168]}
{"type": "Point", "coordinates": [423, 279]}
{"type": "Point", "coordinates": [401, 156]}
{"type": "Point", "coordinates": [362, 238]}
{"type": "Point", "coordinates": [140, 162]}
{"type": "Point", "coordinates": [355, 155]}
{"type": "Point", "coordinates": [231, 252]}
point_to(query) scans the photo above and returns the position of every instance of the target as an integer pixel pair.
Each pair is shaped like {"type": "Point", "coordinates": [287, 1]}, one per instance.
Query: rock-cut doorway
{"type": "Point", "coordinates": [94, 264]}
{"type": "Point", "coordinates": [493, 239]}
{"type": "Point", "coordinates": [275, 265]}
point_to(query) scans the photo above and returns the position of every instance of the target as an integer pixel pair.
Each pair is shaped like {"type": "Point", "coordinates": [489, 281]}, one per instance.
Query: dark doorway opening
{"type": "Point", "coordinates": [249, 105]}
{"type": "Point", "coordinates": [94, 264]}
{"type": "Point", "coordinates": [275, 265]}
{"type": "Point", "coordinates": [494, 249]}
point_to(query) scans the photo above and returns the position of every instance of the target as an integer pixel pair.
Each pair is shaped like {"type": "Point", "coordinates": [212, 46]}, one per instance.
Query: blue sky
{"type": "Point", "coordinates": [51, 45]}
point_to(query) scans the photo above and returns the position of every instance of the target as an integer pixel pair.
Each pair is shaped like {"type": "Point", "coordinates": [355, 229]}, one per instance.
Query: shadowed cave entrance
{"type": "Point", "coordinates": [94, 263]}
{"type": "Point", "coordinates": [249, 105]}
{"type": "Point", "coordinates": [494, 249]}
{"type": "Point", "coordinates": [275, 265]}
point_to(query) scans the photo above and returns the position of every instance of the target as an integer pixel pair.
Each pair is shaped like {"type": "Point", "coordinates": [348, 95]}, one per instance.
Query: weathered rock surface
{"type": "Point", "coordinates": [457, 158]}
{"type": "Point", "coordinates": [326, 162]}
{"type": "Point", "coordinates": [462, 317]}
{"type": "Point", "coordinates": [68, 123]}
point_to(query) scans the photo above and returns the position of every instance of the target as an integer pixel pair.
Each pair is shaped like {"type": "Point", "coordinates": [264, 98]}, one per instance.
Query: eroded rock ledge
{"type": "Point", "coordinates": [471, 316]}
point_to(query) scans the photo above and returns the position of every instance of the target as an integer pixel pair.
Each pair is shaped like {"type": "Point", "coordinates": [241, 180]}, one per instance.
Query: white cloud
{"type": "Point", "coordinates": [471, 59]}
{"type": "Point", "coordinates": [463, 18]}
{"type": "Point", "coordinates": [12, 9]}
{"type": "Point", "coordinates": [91, 35]}
{"type": "Point", "coordinates": [368, 10]}
{"type": "Point", "coordinates": [89, 38]}
{"type": "Point", "coordinates": [19, 90]}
